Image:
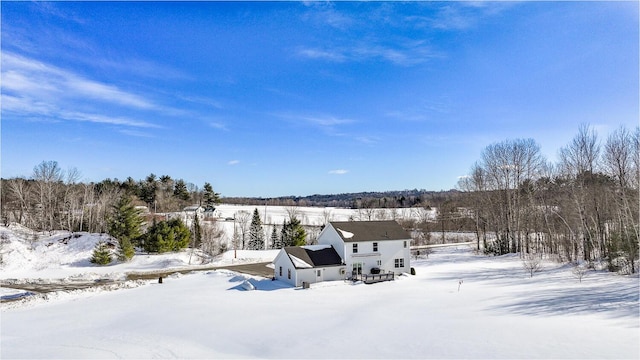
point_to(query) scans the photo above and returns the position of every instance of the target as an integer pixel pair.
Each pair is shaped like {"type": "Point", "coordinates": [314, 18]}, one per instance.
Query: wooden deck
{"type": "Point", "coordinates": [375, 278]}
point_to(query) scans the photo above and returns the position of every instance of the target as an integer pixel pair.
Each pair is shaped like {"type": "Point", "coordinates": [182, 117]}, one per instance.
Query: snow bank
{"type": "Point", "coordinates": [65, 256]}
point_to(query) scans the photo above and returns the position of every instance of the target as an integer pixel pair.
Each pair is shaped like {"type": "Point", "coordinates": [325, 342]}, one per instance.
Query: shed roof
{"type": "Point", "coordinates": [315, 256]}
{"type": "Point", "coordinates": [354, 231]}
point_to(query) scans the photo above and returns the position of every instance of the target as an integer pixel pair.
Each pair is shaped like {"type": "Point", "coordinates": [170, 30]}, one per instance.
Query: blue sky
{"type": "Point", "coordinates": [292, 98]}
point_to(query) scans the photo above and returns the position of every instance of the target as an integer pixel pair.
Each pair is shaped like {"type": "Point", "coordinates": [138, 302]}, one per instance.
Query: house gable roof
{"type": "Point", "coordinates": [355, 231]}
{"type": "Point", "coordinates": [313, 256]}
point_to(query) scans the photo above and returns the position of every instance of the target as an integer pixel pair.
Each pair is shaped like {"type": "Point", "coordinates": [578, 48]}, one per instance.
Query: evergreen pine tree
{"type": "Point", "coordinates": [256, 233]}
{"type": "Point", "coordinates": [124, 225]}
{"type": "Point", "coordinates": [180, 190]}
{"type": "Point", "coordinates": [209, 197]}
{"type": "Point", "coordinates": [274, 238]}
{"type": "Point", "coordinates": [126, 251]}
{"type": "Point", "coordinates": [101, 254]}
{"type": "Point", "coordinates": [298, 234]}
{"type": "Point", "coordinates": [167, 236]}
{"type": "Point", "coordinates": [284, 235]}
{"type": "Point", "coordinates": [293, 234]}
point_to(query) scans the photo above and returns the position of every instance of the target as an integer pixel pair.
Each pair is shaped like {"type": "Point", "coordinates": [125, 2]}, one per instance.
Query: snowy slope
{"type": "Point", "coordinates": [498, 312]}
{"type": "Point", "coordinates": [66, 255]}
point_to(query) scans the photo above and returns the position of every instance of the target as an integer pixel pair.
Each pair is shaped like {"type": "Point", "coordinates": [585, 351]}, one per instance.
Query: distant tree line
{"type": "Point", "coordinates": [584, 208]}
{"type": "Point", "coordinates": [382, 199]}
{"type": "Point", "coordinates": [55, 199]}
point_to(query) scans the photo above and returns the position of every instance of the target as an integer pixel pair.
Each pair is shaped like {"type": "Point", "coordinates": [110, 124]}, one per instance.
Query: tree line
{"type": "Point", "coordinates": [369, 199]}
{"type": "Point", "coordinates": [55, 199]}
{"type": "Point", "coordinates": [583, 208]}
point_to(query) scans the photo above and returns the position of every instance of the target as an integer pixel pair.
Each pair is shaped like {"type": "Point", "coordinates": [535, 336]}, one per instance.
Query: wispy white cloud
{"type": "Point", "coordinates": [28, 107]}
{"type": "Point", "coordinates": [136, 133]}
{"type": "Point", "coordinates": [369, 140]}
{"type": "Point", "coordinates": [218, 125]}
{"type": "Point", "coordinates": [31, 76]}
{"type": "Point", "coordinates": [327, 123]}
{"type": "Point", "coordinates": [338, 172]}
{"type": "Point", "coordinates": [404, 52]}
{"type": "Point", "coordinates": [31, 88]}
{"type": "Point", "coordinates": [324, 13]}
{"type": "Point", "coordinates": [233, 162]}
{"type": "Point", "coordinates": [457, 16]}
{"type": "Point", "coordinates": [334, 55]}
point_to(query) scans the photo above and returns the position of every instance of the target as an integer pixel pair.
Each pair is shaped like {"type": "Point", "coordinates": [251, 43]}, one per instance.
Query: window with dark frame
{"type": "Point", "coordinates": [399, 263]}
{"type": "Point", "coordinates": [280, 270]}
{"type": "Point", "coordinates": [355, 248]}
{"type": "Point", "coordinates": [288, 273]}
{"type": "Point", "coordinates": [375, 247]}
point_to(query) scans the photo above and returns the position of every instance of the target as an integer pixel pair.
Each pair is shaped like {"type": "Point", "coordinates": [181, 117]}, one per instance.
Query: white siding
{"type": "Point", "coordinates": [282, 261]}
{"type": "Point", "coordinates": [388, 251]}
{"type": "Point", "coordinates": [299, 275]}
{"type": "Point", "coordinates": [329, 236]}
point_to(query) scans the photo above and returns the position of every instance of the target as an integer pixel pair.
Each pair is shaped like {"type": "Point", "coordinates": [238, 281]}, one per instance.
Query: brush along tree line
{"type": "Point", "coordinates": [584, 208]}
{"type": "Point", "coordinates": [125, 225]}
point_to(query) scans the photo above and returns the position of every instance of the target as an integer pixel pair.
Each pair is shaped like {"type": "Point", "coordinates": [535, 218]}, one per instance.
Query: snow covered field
{"type": "Point", "coordinates": [459, 305]}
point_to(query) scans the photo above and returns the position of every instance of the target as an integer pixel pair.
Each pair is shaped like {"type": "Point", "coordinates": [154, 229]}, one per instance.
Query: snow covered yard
{"type": "Point", "coordinates": [459, 305]}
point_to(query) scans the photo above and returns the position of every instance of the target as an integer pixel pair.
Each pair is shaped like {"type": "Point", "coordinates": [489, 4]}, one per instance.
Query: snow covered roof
{"type": "Point", "coordinates": [310, 256]}
{"type": "Point", "coordinates": [354, 231]}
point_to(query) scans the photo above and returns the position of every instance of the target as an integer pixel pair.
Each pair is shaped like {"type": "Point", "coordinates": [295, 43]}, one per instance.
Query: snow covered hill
{"type": "Point", "coordinates": [459, 305]}
{"type": "Point", "coordinates": [29, 256]}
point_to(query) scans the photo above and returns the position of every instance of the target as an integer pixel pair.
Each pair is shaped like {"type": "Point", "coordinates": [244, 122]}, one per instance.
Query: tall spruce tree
{"type": "Point", "coordinates": [209, 198]}
{"type": "Point", "coordinates": [256, 233]}
{"type": "Point", "coordinates": [274, 238]}
{"type": "Point", "coordinates": [180, 190]}
{"type": "Point", "coordinates": [293, 234]}
{"type": "Point", "coordinates": [124, 225]}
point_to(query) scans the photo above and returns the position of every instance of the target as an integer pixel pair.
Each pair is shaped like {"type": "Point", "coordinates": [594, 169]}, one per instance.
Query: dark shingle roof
{"type": "Point", "coordinates": [315, 256]}
{"type": "Point", "coordinates": [370, 230]}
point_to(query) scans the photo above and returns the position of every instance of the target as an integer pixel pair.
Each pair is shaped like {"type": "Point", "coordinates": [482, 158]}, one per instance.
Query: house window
{"type": "Point", "coordinates": [289, 273]}
{"type": "Point", "coordinates": [319, 273]}
{"type": "Point", "coordinates": [280, 270]}
{"type": "Point", "coordinates": [405, 243]}
{"type": "Point", "coordinates": [399, 263]}
{"type": "Point", "coordinates": [355, 248]}
{"type": "Point", "coordinates": [375, 247]}
{"type": "Point", "coordinates": [379, 262]}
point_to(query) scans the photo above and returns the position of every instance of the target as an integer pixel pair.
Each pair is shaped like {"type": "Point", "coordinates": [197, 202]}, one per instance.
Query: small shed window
{"type": "Point", "coordinates": [405, 243]}
{"type": "Point", "coordinates": [355, 248]}
{"type": "Point", "coordinates": [375, 247]}
{"type": "Point", "coordinates": [288, 273]}
{"type": "Point", "coordinates": [280, 270]}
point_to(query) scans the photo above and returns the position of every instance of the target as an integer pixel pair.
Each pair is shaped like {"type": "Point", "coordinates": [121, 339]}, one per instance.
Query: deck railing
{"type": "Point", "coordinates": [374, 278]}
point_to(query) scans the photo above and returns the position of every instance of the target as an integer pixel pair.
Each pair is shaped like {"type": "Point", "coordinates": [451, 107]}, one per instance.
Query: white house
{"type": "Point", "coordinates": [310, 264]}
{"type": "Point", "coordinates": [367, 247]}
{"type": "Point", "coordinates": [347, 250]}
